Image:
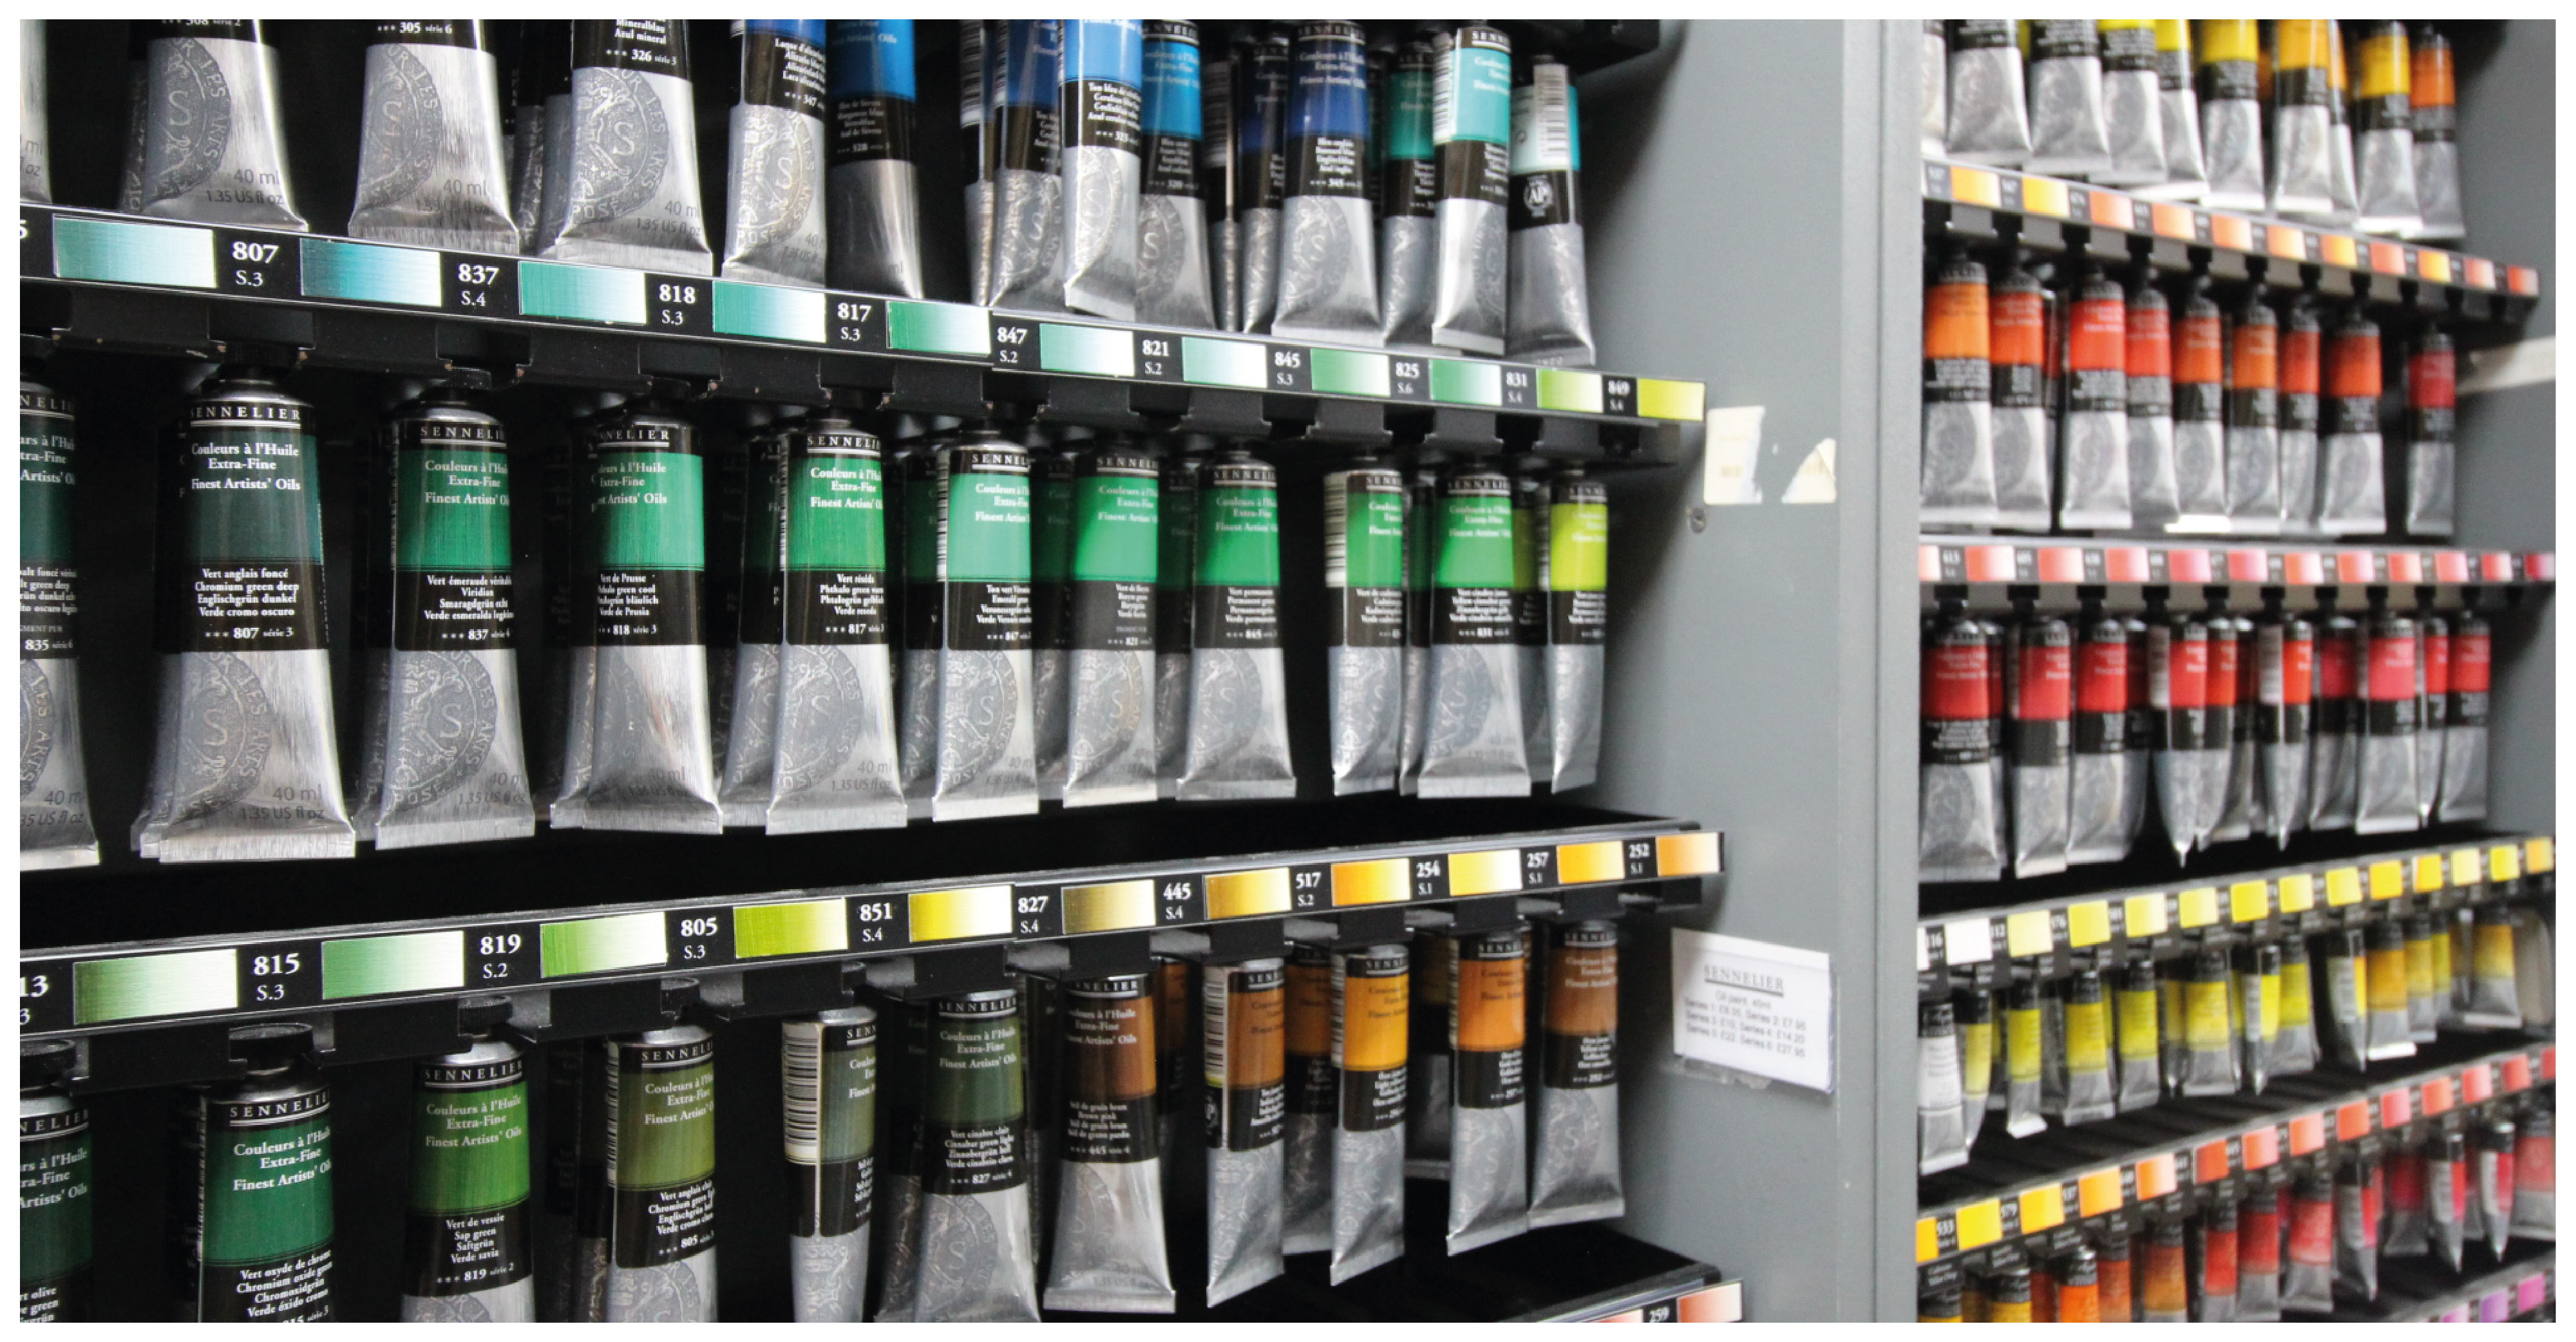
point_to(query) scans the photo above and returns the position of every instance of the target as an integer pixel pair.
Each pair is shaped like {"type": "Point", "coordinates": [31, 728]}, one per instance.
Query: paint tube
{"type": "Point", "coordinates": [2308, 1263]}
{"type": "Point", "coordinates": [2090, 1091]}
{"type": "Point", "coordinates": [1973, 1009]}
{"type": "Point", "coordinates": [35, 165]}
{"type": "Point", "coordinates": [1041, 1058]}
{"type": "Point", "coordinates": [2253, 412]}
{"type": "Point", "coordinates": [2446, 1194]}
{"type": "Point", "coordinates": [742, 681]}
{"type": "Point", "coordinates": [2347, 203]}
{"type": "Point", "coordinates": [631, 191]}
{"type": "Point", "coordinates": [2024, 1056]}
{"type": "Point", "coordinates": [1306, 1205]}
{"type": "Point", "coordinates": [2164, 1289]}
{"type": "Point", "coordinates": [835, 764]}
{"type": "Point", "coordinates": [1943, 1305]}
{"type": "Point", "coordinates": [2347, 985]}
{"type": "Point", "coordinates": [1108, 1243]}
{"type": "Point", "coordinates": [2534, 970]}
{"type": "Point", "coordinates": [2178, 689]}
{"type": "Point", "coordinates": [2284, 656]}
{"type": "Point", "coordinates": [2300, 347]}
{"type": "Point", "coordinates": [465, 1244]}
{"type": "Point", "coordinates": [552, 47]}
{"type": "Point", "coordinates": [1471, 124]}
{"type": "Point", "coordinates": [2384, 995]}
{"type": "Point", "coordinates": [1328, 287]}
{"type": "Point", "coordinates": [2383, 126]}
{"type": "Point", "coordinates": [1989, 115]}
{"type": "Point", "coordinates": [1175, 571]}
{"type": "Point", "coordinates": [2133, 122]}
{"type": "Point", "coordinates": [2409, 1228]}
{"type": "Point", "coordinates": [1221, 183]}
{"type": "Point", "coordinates": [2464, 721]}
{"type": "Point", "coordinates": [541, 61]}
{"type": "Point", "coordinates": [897, 1229]}
{"type": "Point", "coordinates": [1999, 655]}
{"type": "Point", "coordinates": [1176, 1087]}
{"type": "Point", "coordinates": [1108, 754]}
{"type": "Point", "coordinates": [2385, 797]}
{"type": "Point", "coordinates": [2200, 398]}
{"type": "Point", "coordinates": [586, 1293]}
{"type": "Point", "coordinates": [2052, 1047]}
{"type": "Point", "coordinates": [245, 1248]}
{"type": "Point", "coordinates": [2452, 929]}
{"type": "Point", "coordinates": [2067, 136]}
{"type": "Point", "coordinates": [2141, 1079]}
{"type": "Point", "coordinates": [2260, 991]}
{"type": "Point", "coordinates": [2351, 497]}
{"type": "Point", "coordinates": [2213, 1268]}
{"type": "Point", "coordinates": [923, 613]}
{"type": "Point", "coordinates": [2228, 790]}
{"type": "Point", "coordinates": [1100, 103]}
{"type": "Point", "coordinates": [1936, 89]}
{"type": "Point", "coordinates": [1429, 1068]}
{"type": "Point", "coordinates": [2535, 1169]}
{"type": "Point", "coordinates": [1550, 307]}
{"type": "Point", "coordinates": [1958, 426]}
{"type": "Point", "coordinates": [1364, 570]}
{"type": "Point", "coordinates": [660, 1094]}
{"type": "Point", "coordinates": [828, 1074]}
{"type": "Point", "coordinates": [1576, 572]}
{"type": "Point", "coordinates": [2079, 1287]}
{"type": "Point", "coordinates": [2494, 1002]}
{"type": "Point", "coordinates": [873, 196]}
{"type": "Point", "coordinates": [1051, 609]}
{"type": "Point", "coordinates": [1530, 609]}
{"type": "Point", "coordinates": [2258, 1251]}
{"type": "Point", "coordinates": [2424, 988]}
{"type": "Point", "coordinates": [2356, 1222]}
{"type": "Point", "coordinates": [1488, 1164]}
{"type": "Point", "coordinates": [979, 136]}
{"type": "Point", "coordinates": [2231, 113]}
{"type": "Point", "coordinates": [985, 751]}
{"type": "Point", "coordinates": [2294, 1049]}
{"type": "Point", "coordinates": [138, 102]}
{"type": "Point", "coordinates": [57, 1247]}
{"type": "Point", "coordinates": [2491, 1166]}
{"type": "Point", "coordinates": [2332, 779]}
{"type": "Point", "coordinates": [2041, 673]}
{"type": "Point", "coordinates": [1940, 1132]}
{"type": "Point", "coordinates": [1245, 1065]}
{"type": "Point", "coordinates": [2023, 398]}
{"type": "Point", "coordinates": [2153, 496]}
{"type": "Point", "coordinates": [1408, 234]}
{"type": "Point", "coordinates": [432, 171]}
{"type": "Point", "coordinates": [2116, 1266]}
{"type": "Point", "coordinates": [2209, 1049]}
{"type": "Point", "coordinates": [2434, 96]}
{"type": "Point", "coordinates": [2100, 761]}
{"type": "Point", "coordinates": [975, 1246]}
{"type": "Point", "coordinates": [241, 729]}
{"type": "Point", "coordinates": [1473, 744]}
{"type": "Point", "coordinates": [2094, 434]}
{"type": "Point", "coordinates": [2302, 117]}
{"type": "Point", "coordinates": [2432, 469]}
{"type": "Point", "coordinates": [214, 144]}
{"type": "Point", "coordinates": [2138, 755]}
{"type": "Point", "coordinates": [1026, 263]}
{"type": "Point", "coordinates": [2185, 177]}
{"type": "Point", "coordinates": [2008, 1295]}
{"type": "Point", "coordinates": [1370, 1029]}
{"type": "Point", "coordinates": [729, 498]}
{"type": "Point", "coordinates": [1262, 76]}
{"type": "Point", "coordinates": [1171, 220]}
{"type": "Point", "coordinates": [775, 187]}
{"type": "Point", "coordinates": [1238, 727]}
{"type": "Point", "coordinates": [54, 827]}
{"type": "Point", "coordinates": [372, 629]}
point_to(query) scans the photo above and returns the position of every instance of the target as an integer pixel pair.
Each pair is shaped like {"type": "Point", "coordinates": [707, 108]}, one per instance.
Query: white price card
{"type": "Point", "coordinates": [1754, 1007]}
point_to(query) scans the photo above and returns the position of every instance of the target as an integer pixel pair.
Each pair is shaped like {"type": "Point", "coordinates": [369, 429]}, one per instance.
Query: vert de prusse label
{"type": "Point", "coordinates": [1471, 577]}
{"type": "Point", "coordinates": [1364, 557]}
{"type": "Point", "coordinates": [831, 1104]}
{"type": "Point", "coordinates": [48, 599]}
{"type": "Point", "coordinates": [1237, 602]}
{"type": "Point", "coordinates": [469, 1190]}
{"type": "Point", "coordinates": [662, 1153]}
{"type": "Point", "coordinates": [249, 572]}
{"type": "Point", "coordinates": [1578, 566]}
{"type": "Point", "coordinates": [984, 547]}
{"type": "Point", "coordinates": [976, 1108]}
{"type": "Point", "coordinates": [1117, 515]}
{"type": "Point", "coordinates": [648, 529]}
{"type": "Point", "coordinates": [264, 1247]}
{"type": "Point", "coordinates": [836, 539]}
{"type": "Point", "coordinates": [451, 537]}
{"type": "Point", "coordinates": [54, 1216]}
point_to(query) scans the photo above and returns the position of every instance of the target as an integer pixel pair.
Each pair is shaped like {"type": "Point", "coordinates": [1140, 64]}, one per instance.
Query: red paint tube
{"type": "Point", "coordinates": [1958, 821]}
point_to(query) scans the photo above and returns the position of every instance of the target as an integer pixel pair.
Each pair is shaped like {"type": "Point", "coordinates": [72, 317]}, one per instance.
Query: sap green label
{"type": "Point", "coordinates": [54, 1217]}
{"type": "Point", "coordinates": [662, 1154]}
{"type": "Point", "coordinates": [831, 1094]}
{"type": "Point", "coordinates": [469, 1179]}
{"type": "Point", "coordinates": [1579, 564]}
{"type": "Point", "coordinates": [975, 1111]}
{"type": "Point", "coordinates": [264, 1255]}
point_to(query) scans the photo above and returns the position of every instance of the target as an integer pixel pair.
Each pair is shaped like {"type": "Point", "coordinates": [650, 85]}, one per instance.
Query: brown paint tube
{"type": "Point", "coordinates": [1574, 1163]}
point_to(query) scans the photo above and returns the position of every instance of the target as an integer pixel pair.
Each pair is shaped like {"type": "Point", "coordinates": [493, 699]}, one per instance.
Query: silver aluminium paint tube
{"type": "Point", "coordinates": [2226, 784]}
{"type": "Point", "coordinates": [1473, 745]}
{"type": "Point", "coordinates": [1263, 71]}
{"type": "Point", "coordinates": [2178, 687]}
{"type": "Point", "coordinates": [631, 185]}
{"type": "Point", "coordinates": [980, 142]}
{"type": "Point", "coordinates": [2432, 462]}
{"type": "Point", "coordinates": [2383, 128]}
{"type": "Point", "coordinates": [54, 828]}
{"type": "Point", "coordinates": [2024, 319]}
{"type": "Point", "coordinates": [1028, 195]}
{"type": "Point", "coordinates": [1577, 580]}
{"type": "Point", "coordinates": [35, 153]}
{"type": "Point", "coordinates": [572, 653]}
{"type": "Point", "coordinates": [539, 53]}
{"type": "Point", "coordinates": [1109, 1254]}
{"type": "Point", "coordinates": [2254, 506]}
{"type": "Point", "coordinates": [2137, 765]}
{"type": "Point", "coordinates": [550, 44]}
{"type": "Point", "coordinates": [2067, 137]}
{"type": "Point", "coordinates": [1328, 286]}
{"type": "Point", "coordinates": [651, 743]}
{"type": "Point", "coordinates": [2256, 1013]}
{"type": "Point", "coordinates": [1989, 114]}
{"type": "Point", "coordinates": [2302, 348]}
{"type": "Point", "coordinates": [1550, 308]}
{"type": "Point", "coordinates": [1974, 1007]}
{"type": "Point", "coordinates": [2231, 114]}
{"type": "Point", "coordinates": [1314, 1094]}
{"type": "Point", "coordinates": [897, 1232]}
{"type": "Point", "coordinates": [2347, 201]}
{"type": "Point", "coordinates": [2494, 1002]}
{"type": "Point", "coordinates": [432, 171]}
{"type": "Point", "coordinates": [2302, 112]}
{"type": "Point", "coordinates": [2284, 661]}
{"type": "Point", "coordinates": [2387, 1032]}
{"type": "Point", "coordinates": [1221, 181]}
{"type": "Point", "coordinates": [2346, 977]}
{"type": "Point", "coordinates": [661, 1115]}
{"type": "Point", "coordinates": [214, 142]}
{"type": "Point", "coordinates": [2432, 89]}
{"type": "Point", "coordinates": [922, 611]}
{"type": "Point", "coordinates": [2186, 177]}
{"type": "Point", "coordinates": [774, 174]}
{"type": "Point", "coordinates": [1959, 823]}
{"type": "Point", "coordinates": [1471, 131]}
{"type": "Point", "coordinates": [1371, 1024]}
{"type": "Point", "coordinates": [835, 766]}
{"type": "Point", "coordinates": [1100, 107]}
{"type": "Point", "coordinates": [1408, 234]}
{"type": "Point", "coordinates": [1940, 1130]}
{"type": "Point", "coordinates": [987, 749]}
{"type": "Point", "coordinates": [1574, 1161]}
{"type": "Point", "coordinates": [2208, 1026]}
{"type": "Point", "coordinates": [1958, 484]}
{"type": "Point", "coordinates": [2100, 761]}
{"type": "Point", "coordinates": [2200, 410]}
{"type": "Point", "coordinates": [1238, 723]}
{"type": "Point", "coordinates": [1529, 608]}
{"type": "Point", "coordinates": [1936, 88]}
{"type": "Point", "coordinates": [2384, 801]}
{"type": "Point", "coordinates": [1421, 533]}
{"type": "Point", "coordinates": [248, 767]}
{"type": "Point", "coordinates": [2464, 721]}
{"type": "Point", "coordinates": [1171, 221]}
{"type": "Point", "coordinates": [251, 1220]}
{"type": "Point", "coordinates": [1364, 578]}
{"type": "Point", "coordinates": [2331, 778]}
{"type": "Point", "coordinates": [2094, 440]}
{"type": "Point", "coordinates": [2154, 493]}
{"type": "Point", "coordinates": [745, 697]}
{"type": "Point", "coordinates": [2039, 680]}
{"type": "Point", "coordinates": [1489, 1132]}
{"type": "Point", "coordinates": [873, 200]}
{"type": "Point", "coordinates": [1112, 596]}
{"type": "Point", "coordinates": [2023, 1058]}
{"type": "Point", "coordinates": [138, 103]}
{"type": "Point", "coordinates": [2432, 703]}
{"type": "Point", "coordinates": [2132, 117]}
{"type": "Point", "coordinates": [1175, 574]}
{"type": "Point", "coordinates": [455, 764]}
{"type": "Point", "coordinates": [1245, 1063]}
{"type": "Point", "coordinates": [828, 1079]}
{"type": "Point", "coordinates": [466, 1243]}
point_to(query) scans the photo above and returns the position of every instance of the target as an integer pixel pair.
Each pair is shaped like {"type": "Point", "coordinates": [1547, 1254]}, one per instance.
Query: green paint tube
{"type": "Point", "coordinates": [1176, 550]}
{"type": "Point", "coordinates": [1473, 744]}
{"type": "Point", "coordinates": [1576, 577]}
{"type": "Point", "coordinates": [1421, 551]}
{"type": "Point", "coordinates": [1050, 609]}
{"type": "Point", "coordinates": [828, 1072]}
{"type": "Point", "coordinates": [836, 765]}
{"type": "Point", "coordinates": [1238, 734]}
{"type": "Point", "coordinates": [747, 699]}
{"type": "Point", "coordinates": [661, 1103]}
{"type": "Point", "coordinates": [1109, 1251]}
{"type": "Point", "coordinates": [977, 1250]}
{"type": "Point", "coordinates": [251, 1230]}
{"type": "Point", "coordinates": [53, 778]}
{"type": "Point", "coordinates": [54, 1202]}
{"type": "Point", "coordinates": [1364, 575]}
{"type": "Point", "coordinates": [467, 1255]}
{"type": "Point", "coordinates": [1111, 581]}
{"type": "Point", "coordinates": [986, 751]}
{"type": "Point", "coordinates": [1471, 131]}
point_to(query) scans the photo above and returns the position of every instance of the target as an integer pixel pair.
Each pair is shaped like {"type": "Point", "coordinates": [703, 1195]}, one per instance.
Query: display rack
{"type": "Point", "coordinates": [1980, 562]}
{"type": "Point", "coordinates": [2512, 1293]}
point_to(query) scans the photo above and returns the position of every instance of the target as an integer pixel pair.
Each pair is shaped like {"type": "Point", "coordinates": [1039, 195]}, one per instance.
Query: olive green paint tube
{"type": "Point", "coordinates": [248, 765]}
{"type": "Point", "coordinates": [1473, 745]}
{"type": "Point", "coordinates": [898, 1212]}
{"type": "Point", "coordinates": [1112, 601]}
{"type": "Point", "coordinates": [1371, 1019]}
{"type": "Point", "coordinates": [631, 190]}
{"type": "Point", "coordinates": [748, 707]}
{"type": "Point", "coordinates": [836, 765]}
{"type": "Point", "coordinates": [1574, 1166]}
{"type": "Point", "coordinates": [1489, 1133]}
{"type": "Point", "coordinates": [828, 1077]}
{"type": "Point", "coordinates": [1238, 733]}
{"type": "Point", "coordinates": [1421, 546]}
{"type": "Point", "coordinates": [1306, 1208]}
{"type": "Point", "coordinates": [1243, 1007]}
{"type": "Point", "coordinates": [1364, 577]}
{"type": "Point", "coordinates": [2494, 997]}
{"type": "Point", "coordinates": [54, 827]}
{"type": "Point", "coordinates": [651, 737]}
{"type": "Point", "coordinates": [1576, 579]}
{"type": "Point", "coordinates": [214, 141]}
{"type": "Point", "coordinates": [467, 1252]}
{"type": "Point", "coordinates": [2090, 1090]}
{"type": "Point", "coordinates": [432, 168]}
{"type": "Point", "coordinates": [55, 1206]}
{"type": "Point", "coordinates": [661, 1102]}
{"type": "Point", "coordinates": [2139, 1053]}
{"type": "Point", "coordinates": [987, 753]}
{"type": "Point", "coordinates": [977, 1253]}
{"type": "Point", "coordinates": [251, 1233]}
{"type": "Point", "coordinates": [1109, 1253]}
{"type": "Point", "coordinates": [2208, 1044]}
{"type": "Point", "coordinates": [1430, 1064]}
{"type": "Point", "coordinates": [1175, 568]}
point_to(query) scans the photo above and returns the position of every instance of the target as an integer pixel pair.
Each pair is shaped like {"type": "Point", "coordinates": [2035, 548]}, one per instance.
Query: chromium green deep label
{"type": "Point", "coordinates": [975, 1110]}
{"type": "Point", "coordinates": [649, 532]}
{"type": "Point", "coordinates": [451, 535]}
{"type": "Point", "coordinates": [836, 538]}
{"type": "Point", "coordinates": [1364, 557]}
{"type": "Point", "coordinates": [1473, 571]}
{"type": "Point", "coordinates": [662, 1152]}
{"type": "Point", "coordinates": [831, 1104]}
{"type": "Point", "coordinates": [264, 1246]}
{"type": "Point", "coordinates": [984, 546]}
{"type": "Point", "coordinates": [1578, 570]}
{"type": "Point", "coordinates": [249, 570]}
{"type": "Point", "coordinates": [469, 1178]}
{"type": "Point", "coordinates": [54, 1214]}
{"type": "Point", "coordinates": [1051, 552]}
{"type": "Point", "coordinates": [1238, 556]}
{"type": "Point", "coordinates": [48, 601]}
{"type": "Point", "coordinates": [1176, 551]}
{"type": "Point", "coordinates": [1117, 516]}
